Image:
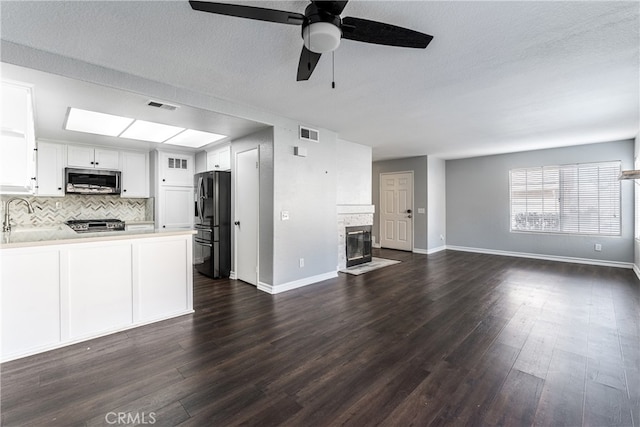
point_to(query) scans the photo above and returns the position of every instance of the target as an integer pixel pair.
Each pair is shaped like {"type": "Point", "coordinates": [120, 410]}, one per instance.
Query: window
{"type": "Point", "coordinates": [573, 199]}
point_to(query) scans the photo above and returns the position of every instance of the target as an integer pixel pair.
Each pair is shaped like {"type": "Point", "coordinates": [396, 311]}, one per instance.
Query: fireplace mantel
{"type": "Point", "coordinates": [355, 209]}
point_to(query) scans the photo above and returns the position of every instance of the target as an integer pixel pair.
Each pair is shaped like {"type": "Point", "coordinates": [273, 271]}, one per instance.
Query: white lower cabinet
{"type": "Point", "coordinates": [161, 278]}
{"type": "Point", "coordinates": [79, 291]}
{"type": "Point", "coordinates": [30, 300]}
{"type": "Point", "coordinates": [99, 288]}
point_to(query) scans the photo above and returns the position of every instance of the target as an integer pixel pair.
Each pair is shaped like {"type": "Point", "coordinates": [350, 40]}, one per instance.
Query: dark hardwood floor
{"type": "Point", "coordinates": [451, 338]}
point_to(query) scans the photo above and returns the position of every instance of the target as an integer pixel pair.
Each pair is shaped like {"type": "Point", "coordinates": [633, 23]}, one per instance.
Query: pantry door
{"type": "Point", "coordinates": [247, 196]}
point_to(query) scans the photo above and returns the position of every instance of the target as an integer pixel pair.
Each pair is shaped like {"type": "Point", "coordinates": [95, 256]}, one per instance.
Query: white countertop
{"type": "Point", "coordinates": [57, 234]}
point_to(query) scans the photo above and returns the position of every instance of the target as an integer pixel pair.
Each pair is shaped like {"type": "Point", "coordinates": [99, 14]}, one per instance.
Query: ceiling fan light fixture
{"type": "Point", "coordinates": [321, 37]}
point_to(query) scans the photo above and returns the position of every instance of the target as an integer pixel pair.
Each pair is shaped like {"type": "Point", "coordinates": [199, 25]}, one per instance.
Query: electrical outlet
{"type": "Point", "coordinates": [597, 247]}
{"type": "Point", "coordinates": [301, 262]}
{"type": "Point", "coordinates": [442, 237]}
{"type": "Point", "coordinates": [284, 215]}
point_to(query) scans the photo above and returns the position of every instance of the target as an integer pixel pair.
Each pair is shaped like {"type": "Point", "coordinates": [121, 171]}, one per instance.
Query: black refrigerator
{"type": "Point", "coordinates": [212, 243]}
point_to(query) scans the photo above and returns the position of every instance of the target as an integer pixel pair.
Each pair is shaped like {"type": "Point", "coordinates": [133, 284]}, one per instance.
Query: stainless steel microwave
{"type": "Point", "coordinates": [91, 181]}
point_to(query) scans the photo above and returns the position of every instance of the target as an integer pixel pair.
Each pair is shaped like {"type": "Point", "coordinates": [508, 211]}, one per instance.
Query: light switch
{"type": "Point", "coordinates": [284, 215]}
{"type": "Point", "coordinates": [421, 210]}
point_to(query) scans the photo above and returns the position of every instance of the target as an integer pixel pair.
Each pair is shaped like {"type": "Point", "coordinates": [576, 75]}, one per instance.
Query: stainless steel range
{"type": "Point", "coordinates": [95, 225]}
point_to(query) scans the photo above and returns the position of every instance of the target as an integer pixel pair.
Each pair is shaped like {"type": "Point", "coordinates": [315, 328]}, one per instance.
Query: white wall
{"type": "Point", "coordinates": [353, 174]}
{"type": "Point", "coordinates": [436, 204]}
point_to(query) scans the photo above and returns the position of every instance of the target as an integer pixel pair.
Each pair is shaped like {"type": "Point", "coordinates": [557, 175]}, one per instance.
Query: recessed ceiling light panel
{"type": "Point", "coordinates": [194, 138]}
{"type": "Point", "coordinates": [150, 131]}
{"type": "Point", "coordinates": [97, 123]}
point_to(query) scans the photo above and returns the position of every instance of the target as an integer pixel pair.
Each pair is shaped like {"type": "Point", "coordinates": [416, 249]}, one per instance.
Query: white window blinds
{"type": "Point", "coordinates": [572, 199]}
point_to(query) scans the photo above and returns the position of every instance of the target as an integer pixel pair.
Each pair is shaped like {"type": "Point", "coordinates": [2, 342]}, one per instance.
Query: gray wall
{"type": "Point", "coordinates": [436, 203]}
{"type": "Point", "coordinates": [263, 141]}
{"type": "Point", "coordinates": [306, 188]}
{"type": "Point", "coordinates": [419, 167]}
{"type": "Point", "coordinates": [636, 189]}
{"type": "Point", "coordinates": [478, 204]}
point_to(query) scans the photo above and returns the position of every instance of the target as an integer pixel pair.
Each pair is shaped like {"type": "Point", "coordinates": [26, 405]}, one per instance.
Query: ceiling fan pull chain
{"type": "Point", "coordinates": [333, 69]}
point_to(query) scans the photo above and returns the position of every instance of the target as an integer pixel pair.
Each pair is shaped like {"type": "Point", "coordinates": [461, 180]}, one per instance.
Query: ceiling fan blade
{"type": "Point", "coordinates": [249, 12]}
{"type": "Point", "coordinates": [333, 7]}
{"type": "Point", "coordinates": [308, 62]}
{"type": "Point", "coordinates": [363, 30]}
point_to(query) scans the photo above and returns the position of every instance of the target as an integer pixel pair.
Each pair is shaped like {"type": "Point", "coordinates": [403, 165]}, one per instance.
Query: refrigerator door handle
{"type": "Point", "coordinates": [200, 197]}
{"type": "Point", "coordinates": [201, 243]}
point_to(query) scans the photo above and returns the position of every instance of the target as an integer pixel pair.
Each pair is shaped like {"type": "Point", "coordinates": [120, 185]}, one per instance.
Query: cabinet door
{"type": "Point", "coordinates": [107, 159]}
{"type": "Point", "coordinates": [176, 169]}
{"type": "Point", "coordinates": [212, 161]}
{"type": "Point", "coordinates": [30, 300]}
{"type": "Point", "coordinates": [135, 175]}
{"type": "Point", "coordinates": [176, 207]}
{"type": "Point", "coordinates": [50, 169]}
{"type": "Point", "coordinates": [163, 277]}
{"type": "Point", "coordinates": [80, 157]}
{"type": "Point", "coordinates": [17, 141]}
{"type": "Point", "coordinates": [99, 288]}
{"type": "Point", "coordinates": [224, 159]}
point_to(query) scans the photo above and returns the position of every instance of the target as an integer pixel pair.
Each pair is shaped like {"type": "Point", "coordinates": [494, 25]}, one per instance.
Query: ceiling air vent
{"type": "Point", "coordinates": [309, 134]}
{"type": "Point", "coordinates": [162, 105]}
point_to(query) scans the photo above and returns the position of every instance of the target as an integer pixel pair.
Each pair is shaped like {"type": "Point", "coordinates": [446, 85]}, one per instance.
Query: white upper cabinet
{"type": "Point", "coordinates": [17, 154]}
{"type": "Point", "coordinates": [219, 159]}
{"type": "Point", "coordinates": [51, 163]}
{"type": "Point", "coordinates": [92, 157]}
{"type": "Point", "coordinates": [176, 169]}
{"type": "Point", "coordinates": [135, 174]}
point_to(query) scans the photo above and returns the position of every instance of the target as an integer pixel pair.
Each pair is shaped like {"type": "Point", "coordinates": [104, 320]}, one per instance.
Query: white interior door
{"type": "Point", "coordinates": [396, 210]}
{"type": "Point", "coordinates": [246, 216]}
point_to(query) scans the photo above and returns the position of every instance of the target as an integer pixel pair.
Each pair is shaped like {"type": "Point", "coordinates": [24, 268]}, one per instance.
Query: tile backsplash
{"type": "Point", "coordinates": [54, 210]}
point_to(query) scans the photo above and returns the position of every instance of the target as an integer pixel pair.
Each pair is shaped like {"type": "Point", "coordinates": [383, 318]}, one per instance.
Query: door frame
{"type": "Point", "coordinates": [413, 197]}
{"type": "Point", "coordinates": [235, 177]}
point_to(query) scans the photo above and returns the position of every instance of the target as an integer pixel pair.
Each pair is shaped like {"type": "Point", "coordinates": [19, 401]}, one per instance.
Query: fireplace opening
{"type": "Point", "coordinates": [358, 242]}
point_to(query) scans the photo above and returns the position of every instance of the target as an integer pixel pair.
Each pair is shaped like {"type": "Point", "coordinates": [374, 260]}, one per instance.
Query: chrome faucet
{"type": "Point", "coordinates": [6, 225]}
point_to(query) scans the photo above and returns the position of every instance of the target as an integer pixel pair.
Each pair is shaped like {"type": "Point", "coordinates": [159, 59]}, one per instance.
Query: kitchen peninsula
{"type": "Point", "coordinates": [60, 288]}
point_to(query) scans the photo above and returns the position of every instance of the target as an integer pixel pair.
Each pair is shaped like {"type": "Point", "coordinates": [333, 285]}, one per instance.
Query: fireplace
{"type": "Point", "coordinates": [358, 244]}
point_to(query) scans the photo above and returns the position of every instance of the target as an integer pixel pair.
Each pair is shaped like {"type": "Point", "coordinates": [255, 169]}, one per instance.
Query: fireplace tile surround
{"type": "Point", "coordinates": [350, 216]}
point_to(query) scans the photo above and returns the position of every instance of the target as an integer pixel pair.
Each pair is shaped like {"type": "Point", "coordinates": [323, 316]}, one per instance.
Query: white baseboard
{"type": "Point", "coordinates": [434, 250]}
{"type": "Point", "coordinates": [543, 257]}
{"type": "Point", "coordinates": [420, 251]}
{"type": "Point", "coordinates": [232, 275]}
{"type": "Point", "coordinates": [636, 269]}
{"type": "Point", "coordinates": [376, 245]}
{"type": "Point", "coordinates": [265, 287]}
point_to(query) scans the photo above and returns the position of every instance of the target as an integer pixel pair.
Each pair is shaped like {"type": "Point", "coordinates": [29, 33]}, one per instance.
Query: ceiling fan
{"type": "Point", "coordinates": [322, 28]}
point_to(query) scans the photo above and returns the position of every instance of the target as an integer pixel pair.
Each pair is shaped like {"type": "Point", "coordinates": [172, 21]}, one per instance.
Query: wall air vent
{"type": "Point", "coordinates": [309, 134]}
{"type": "Point", "coordinates": [162, 105]}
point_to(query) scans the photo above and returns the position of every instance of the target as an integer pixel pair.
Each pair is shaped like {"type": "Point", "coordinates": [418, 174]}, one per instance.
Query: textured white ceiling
{"type": "Point", "coordinates": [498, 76]}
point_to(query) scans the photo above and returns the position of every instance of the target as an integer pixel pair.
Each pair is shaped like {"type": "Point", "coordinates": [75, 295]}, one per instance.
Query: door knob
{"type": "Point", "coordinates": [409, 216]}
{"type": "Point", "coordinates": [408, 211]}
{"type": "Point", "coordinates": [237, 223]}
